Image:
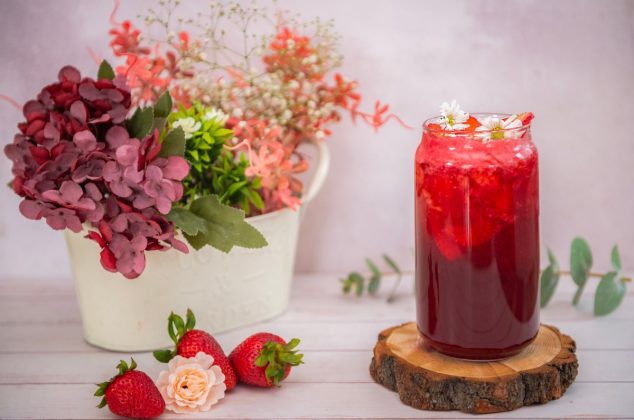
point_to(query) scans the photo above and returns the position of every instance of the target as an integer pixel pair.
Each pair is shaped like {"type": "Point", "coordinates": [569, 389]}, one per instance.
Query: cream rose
{"type": "Point", "coordinates": [191, 384]}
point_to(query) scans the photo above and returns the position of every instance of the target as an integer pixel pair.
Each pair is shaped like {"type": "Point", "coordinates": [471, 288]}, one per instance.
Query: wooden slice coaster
{"type": "Point", "coordinates": [429, 380]}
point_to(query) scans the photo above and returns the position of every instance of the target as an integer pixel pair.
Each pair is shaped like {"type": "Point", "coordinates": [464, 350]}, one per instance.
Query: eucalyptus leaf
{"type": "Point", "coordinates": [580, 265]}
{"type": "Point", "coordinates": [392, 264]}
{"type": "Point", "coordinates": [616, 258]}
{"type": "Point", "coordinates": [358, 281]}
{"type": "Point", "coordinates": [373, 285]}
{"type": "Point", "coordinates": [609, 294]}
{"type": "Point", "coordinates": [373, 268]}
{"type": "Point", "coordinates": [548, 283]}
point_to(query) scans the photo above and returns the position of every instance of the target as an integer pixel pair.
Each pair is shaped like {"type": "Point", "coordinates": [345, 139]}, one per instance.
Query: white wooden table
{"type": "Point", "coordinates": [48, 371]}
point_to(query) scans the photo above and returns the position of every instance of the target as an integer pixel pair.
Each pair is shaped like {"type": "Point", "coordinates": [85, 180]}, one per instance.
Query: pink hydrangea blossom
{"type": "Point", "coordinates": [76, 166]}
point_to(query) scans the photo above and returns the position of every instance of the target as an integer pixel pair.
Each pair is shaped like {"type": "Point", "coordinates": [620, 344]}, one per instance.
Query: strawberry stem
{"type": "Point", "coordinates": [276, 357]}
{"type": "Point", "coordinates": [176, 328]}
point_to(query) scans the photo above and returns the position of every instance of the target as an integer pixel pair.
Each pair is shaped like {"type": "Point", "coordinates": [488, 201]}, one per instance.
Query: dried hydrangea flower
{"type": "Point", "coordinates": [76, 166]}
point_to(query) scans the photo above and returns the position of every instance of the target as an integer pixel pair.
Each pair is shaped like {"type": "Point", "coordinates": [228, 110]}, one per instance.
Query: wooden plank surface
{"type": "Point", "coordinates": [48, 371]}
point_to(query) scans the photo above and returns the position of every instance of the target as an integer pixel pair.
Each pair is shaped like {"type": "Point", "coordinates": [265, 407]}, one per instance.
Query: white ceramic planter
{"type": "Point", "coordinates": [225, 291]}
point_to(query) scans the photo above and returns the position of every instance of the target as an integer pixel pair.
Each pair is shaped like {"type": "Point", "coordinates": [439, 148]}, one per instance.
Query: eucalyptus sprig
{"type": "Point", "coordinates": [610, 290]}
{"type": "Point", "coordinates": [608, 295]}
{"type": "Point", "coordinates": [371, 282]}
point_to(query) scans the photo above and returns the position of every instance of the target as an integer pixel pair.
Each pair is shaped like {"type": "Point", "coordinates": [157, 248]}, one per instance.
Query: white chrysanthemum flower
{"type": "Point", "coordinates": [495, 128]}
{"type": "Point", "coordinates": [188, 125]}
{"type": "Point", "coordinates": [452, 117]}
{"type": "Point", "coordinates": [217, 115]}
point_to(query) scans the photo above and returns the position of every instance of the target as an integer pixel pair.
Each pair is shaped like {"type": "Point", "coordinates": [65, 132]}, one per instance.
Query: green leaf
{"type": "Point", "coordinates": [105, 71]}
{"type": "Point", "coordinates": [346, 285]}
{"type": "Point", "coordinates": [262, 360]}
{"type": "Point", "coordinates": [375, 279]}
{"type": "Point", "coordinates": [580, 265]}
{"type": "Point", "coordinates": [225, 226]}
{"type": "Point", "coordinates": [392, 264]}
{"type": "Point", "coordinates": [141, 123]}
{"type": "Point", "coordinates": [609, 294]}
{"type": "Point", "coordinates": [357, 280]}
{"type": "Point", "coordinates": [187, 221]}
{"type": "Point", "coordinates": [549, 280]}
{"type": "Point", "coordinates": [163, 106]}
{"type": "Point", "coordinates": [163, 356]}
{"type": "Point", "coordinates": [616, 258]}
{"type": "Point", "coordinates": [179, 324]}
{"type": "Point", "coordinates": [548, 284]}
{"type": "Point", "coordinates": [399, 277]}
{"type": "Point", "coordinates": [173, 144]}
{"type": "Point", "coordinates": [190, 321]}
{"type": "Point", "coordinates": [373, 285]}
{"type": "Point", "coordinates": [373, 268]}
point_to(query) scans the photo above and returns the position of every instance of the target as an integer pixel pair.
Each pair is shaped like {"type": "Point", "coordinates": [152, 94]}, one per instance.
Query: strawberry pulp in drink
{"type": "Point", "coordinates": [477, 242]}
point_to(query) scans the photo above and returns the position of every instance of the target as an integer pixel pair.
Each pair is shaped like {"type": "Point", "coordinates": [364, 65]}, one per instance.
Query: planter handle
{"type": "Point", "coordinates": [323, 163]}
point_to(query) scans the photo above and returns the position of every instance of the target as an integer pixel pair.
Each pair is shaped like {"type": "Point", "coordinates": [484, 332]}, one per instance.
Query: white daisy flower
{"type": "Point", "coordinates": [452, 117]}
{"type": "Point", "coordinates": [188, 125]}
{"type": "Point", "coordinates": [495, 128]}
{"type": "Point", "coordinates": [217, 115]}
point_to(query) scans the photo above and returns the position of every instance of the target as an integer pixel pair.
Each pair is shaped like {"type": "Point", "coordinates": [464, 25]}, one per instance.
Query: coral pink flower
{"type": "Point", "coordinates": [191, 384]}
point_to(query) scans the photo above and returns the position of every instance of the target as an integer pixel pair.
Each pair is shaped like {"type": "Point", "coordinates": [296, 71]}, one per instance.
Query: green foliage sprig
{"type": "Point", "coordinates": [608, 295]}
{"type": "Point", "coordinates": [214, 169]}
{"type": "Point", "coordinates": [371, 283]}
{"type": "Point", "coordinates": [610, 290]}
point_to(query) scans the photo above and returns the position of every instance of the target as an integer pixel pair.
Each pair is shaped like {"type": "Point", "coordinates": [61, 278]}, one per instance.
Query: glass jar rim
{"type": "Point", "coordinates": [464, 133]}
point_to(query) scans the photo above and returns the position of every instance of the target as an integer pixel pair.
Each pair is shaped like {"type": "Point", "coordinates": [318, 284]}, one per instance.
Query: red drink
{"type": "Point", "coordinates": [477, 241]}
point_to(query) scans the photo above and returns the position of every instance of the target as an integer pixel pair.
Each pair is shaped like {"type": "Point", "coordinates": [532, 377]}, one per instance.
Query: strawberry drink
{"type": "Point", "coordinates": [477, 234]}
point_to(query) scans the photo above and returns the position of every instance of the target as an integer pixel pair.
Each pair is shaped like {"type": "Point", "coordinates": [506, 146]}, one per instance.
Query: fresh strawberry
{"type": "Point", "coordinates": [189, 341]}
{"type": "Point", "coordinates": [131, 393]}
{"type": "Point", "coordinates": [525, 117]}
{"type": "Point", "coordinates": [473, 124]}
{"type": "Point", "coordinates": [264, 359]}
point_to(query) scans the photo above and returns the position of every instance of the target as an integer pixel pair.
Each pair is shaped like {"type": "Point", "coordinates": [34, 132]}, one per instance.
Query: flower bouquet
{"type": "Point", "coordinates": [171, 150]}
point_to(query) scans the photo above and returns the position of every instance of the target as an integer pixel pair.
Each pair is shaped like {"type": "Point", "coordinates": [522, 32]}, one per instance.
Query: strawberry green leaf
{"type": "Point", "coordinates": [580, 265]}
{"type": "Point", "coordinates": [609, 294]}
{"type": "Point", "coordinates": [179, 324]}
{"type": "Point", "coordinates": [105, 71]}
{"type": "Point", "coordinates": [173, 144]}
{"type": "Point", "coordinates": [163, 356]}
{"type": "Point", "coordinates": [141, 123]}
{"type": "Point", "coordinates": [190, 321]}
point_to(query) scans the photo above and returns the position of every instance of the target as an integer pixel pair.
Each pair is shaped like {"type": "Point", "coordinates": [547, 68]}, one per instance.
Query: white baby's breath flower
{"type": "Point", "coordinates": [188, 125]}
{"type": "Point", "coordinates": [237, 112]}
{"type": "Point", "coordinates": [452, 117]}
{"type": "Point", "coordinates": [495, 128]}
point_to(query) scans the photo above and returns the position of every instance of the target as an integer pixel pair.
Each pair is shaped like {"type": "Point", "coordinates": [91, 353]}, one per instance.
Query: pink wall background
{"type": "Point", "coordinates": [570, 62]}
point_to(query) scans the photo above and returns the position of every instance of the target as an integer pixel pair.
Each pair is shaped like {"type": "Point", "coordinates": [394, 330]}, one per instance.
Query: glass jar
{"type": "Point", "coordinates": [477, 241]}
